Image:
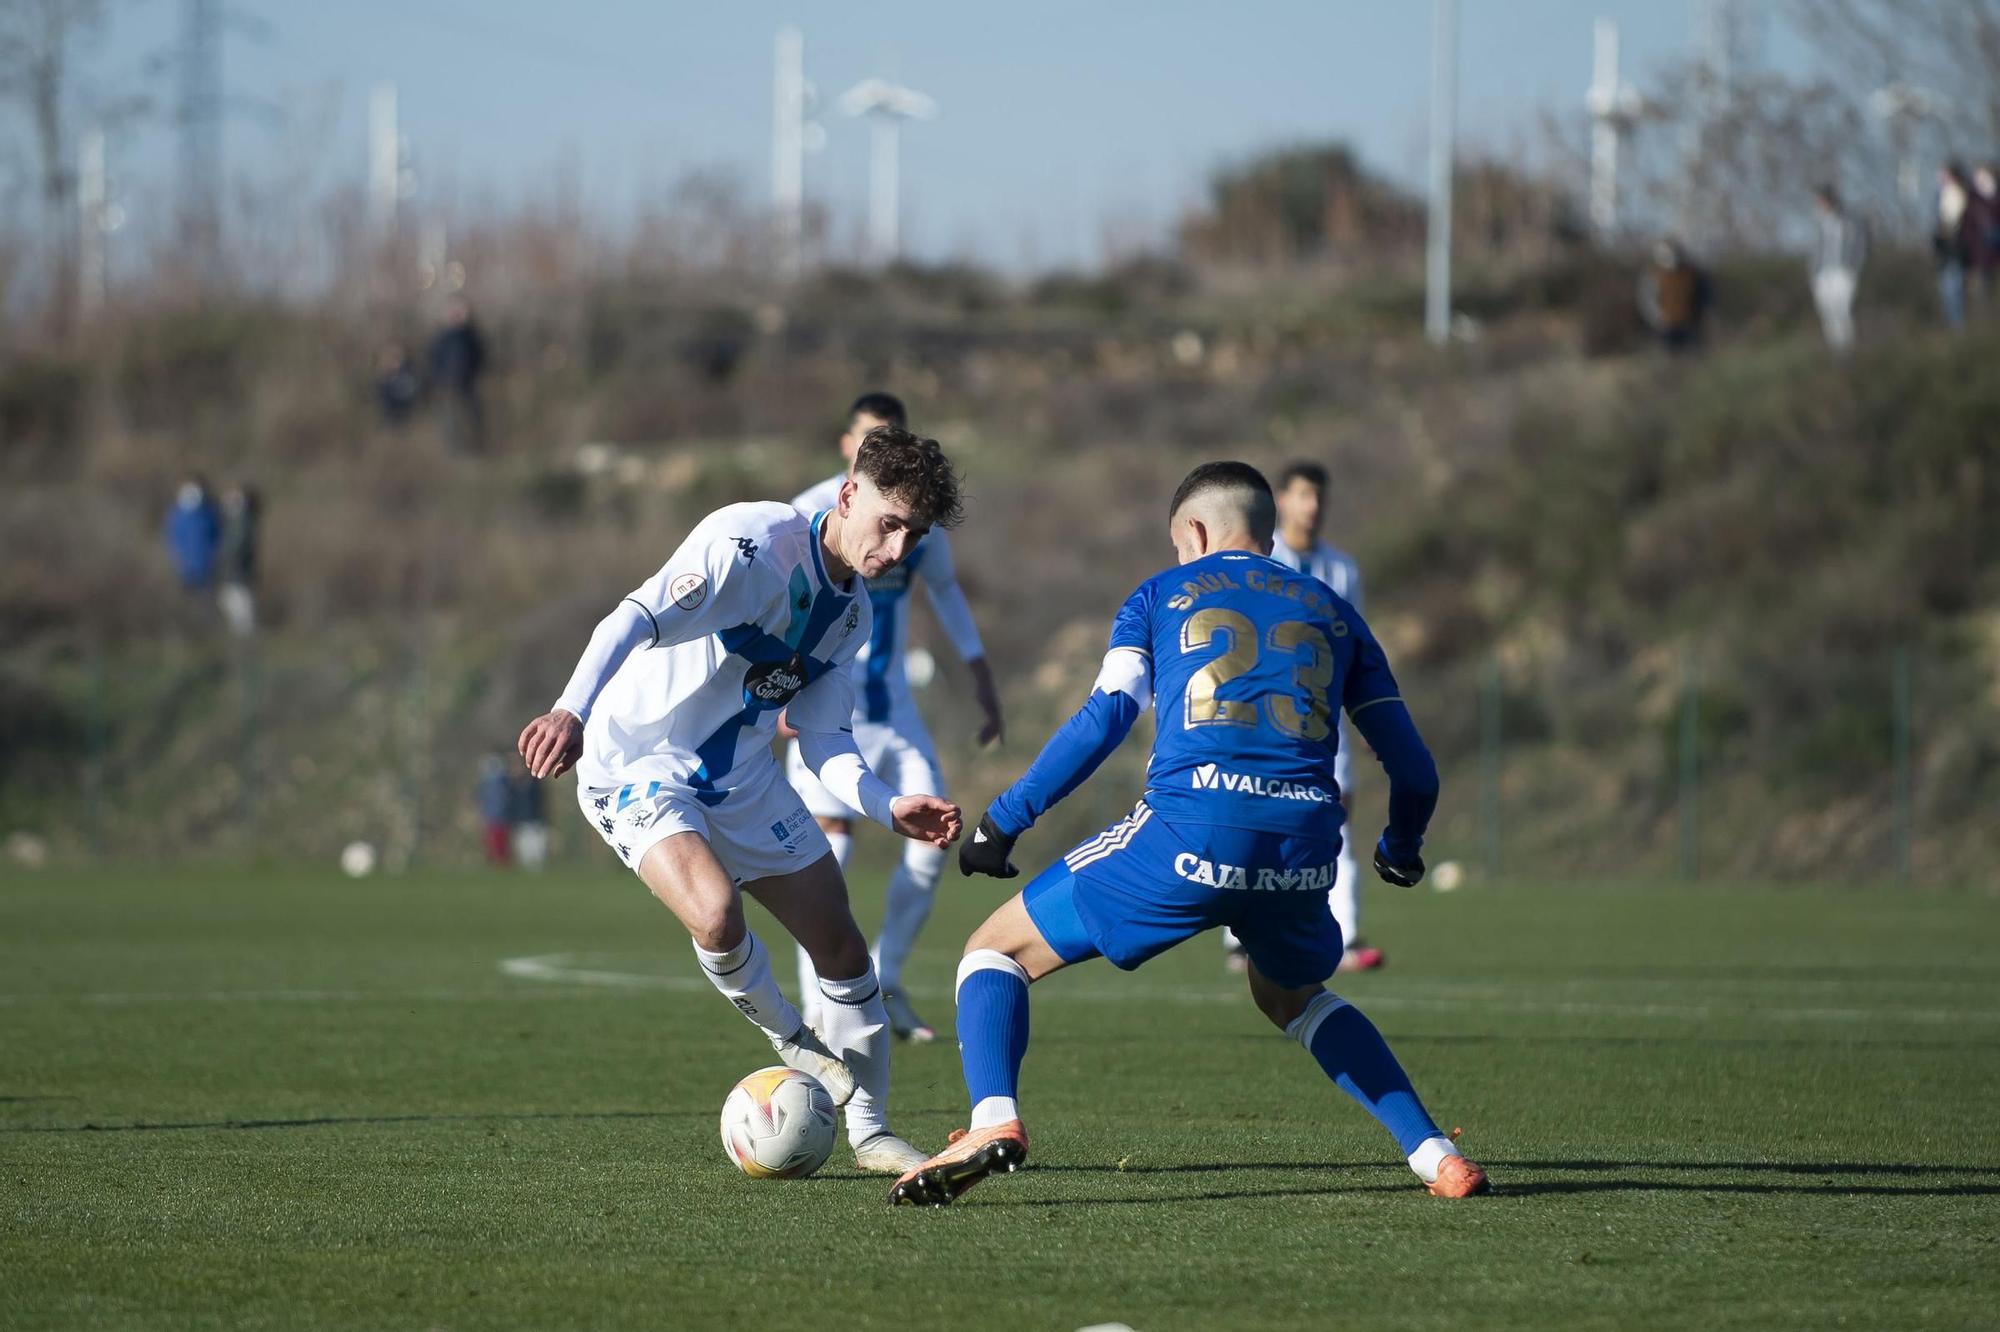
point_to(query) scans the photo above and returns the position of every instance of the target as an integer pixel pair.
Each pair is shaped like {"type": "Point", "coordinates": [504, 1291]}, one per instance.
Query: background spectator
{"type": "Point", "coordinates": [236, 592]}
{"type": "Point", "coordinates": [457, 359]}
{"type": "Point", "coordinates": [190, 530]}
{"type": "Point", "coordinates": [1949, 241]}
{"type": "Point", "coordinates": [1673, 296]}
{"type": "Point", "coordinates": [530, 823]}
{"type": "Point", "coordinates": [1840, 245]}
{"type": "Point", "coordinates": [1982, 231]}
{"type": "Point", "coordinates": [494, 795]}
{"type": "Point", "coordinates": [397, 388]}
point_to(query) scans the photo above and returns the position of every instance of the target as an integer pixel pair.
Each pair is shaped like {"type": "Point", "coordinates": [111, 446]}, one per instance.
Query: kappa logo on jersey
{"type": "Point", "coordinates": [1304, 878]}
{"type": "Point", "coordinates": [775, 683]}
{"type": "Point", "coordinates": [853, 617]}
{"type": "Point", "coordinates": [747, 548]}
{"type": "Point", "coordinates": [602, 802]}
{"type": "Point", "coordinates": [689, 591]}
{"type": "Point", "coordinates": [607, 825]}
{"type": "Point", "coordinates": [1210, 778]}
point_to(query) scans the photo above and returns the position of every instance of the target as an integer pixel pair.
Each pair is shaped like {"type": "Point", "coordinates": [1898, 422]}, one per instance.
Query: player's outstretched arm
{"type": "Point", "coordinates": [1122, 692]}
{"type": "Point", "coordinates": [992, 729]}
{"type": "Point", "coordinates": [1413, 787]}
{"type": "Point", "coordinates": [939, 572]}
{"type": "Point", "coordinates": [926, 818]}
{"type": "Point", "coordinates": [551, 743]}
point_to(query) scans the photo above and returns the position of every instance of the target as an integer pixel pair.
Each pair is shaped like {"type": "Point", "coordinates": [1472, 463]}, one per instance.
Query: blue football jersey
{"type": "Point", "coordinates": [1251, 663]}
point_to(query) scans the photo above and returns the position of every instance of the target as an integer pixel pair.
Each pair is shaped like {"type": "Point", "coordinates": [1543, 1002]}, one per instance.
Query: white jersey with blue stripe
{"type": "Point", "coordinates": [881, 685]}
{"type": "Point", "coordinates": [745, 621]}
{"type": "Point", "coordinates": [1335, 568]}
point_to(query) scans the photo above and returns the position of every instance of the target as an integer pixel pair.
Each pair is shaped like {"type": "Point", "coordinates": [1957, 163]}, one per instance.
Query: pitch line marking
{"type": "Point", "coordinates": [559, 968]}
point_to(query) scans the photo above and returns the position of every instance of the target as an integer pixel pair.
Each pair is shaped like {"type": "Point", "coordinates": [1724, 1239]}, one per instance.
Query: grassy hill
{"type": "Point", "coordinates": [1552, 517]}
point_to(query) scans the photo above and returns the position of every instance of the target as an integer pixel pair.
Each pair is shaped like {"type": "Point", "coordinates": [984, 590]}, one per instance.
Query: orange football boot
{"type": "Point", "coordinates": [972, 1155]}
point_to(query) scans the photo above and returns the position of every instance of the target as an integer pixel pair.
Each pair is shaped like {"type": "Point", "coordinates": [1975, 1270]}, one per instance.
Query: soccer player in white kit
{"type": "Point", "coordinates": [669, 720]}
{"type": "Point", "coordinates": [1300, 491]}
{"type": "Point", "coordinates": [888, 729]}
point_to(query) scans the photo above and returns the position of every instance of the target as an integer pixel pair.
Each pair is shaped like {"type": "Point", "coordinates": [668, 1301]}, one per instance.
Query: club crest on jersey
{"type": "Point", "coordinates": [774, 683]}
{"type": "Point", "coordinates": [1243, 878]}
{"type": "Point", "coordinates": [747, 548]}
{"type": "Point", "coordinates": [1208, 777]}
{"type": "Point", "coordinates": [689, 590]}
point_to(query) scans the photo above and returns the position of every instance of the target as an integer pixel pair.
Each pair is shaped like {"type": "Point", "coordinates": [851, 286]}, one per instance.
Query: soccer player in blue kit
{"type": "Point", "coordinates": [1240, 826]}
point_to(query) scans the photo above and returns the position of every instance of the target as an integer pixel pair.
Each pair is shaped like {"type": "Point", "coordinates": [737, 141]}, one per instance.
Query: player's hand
{"type": "Point", "coordinates": [551, 744]}
{"type": "Point", "coordinates": [927, 818]}
{"type": "Point", "coordinates": [786, 731]}
{"type": "Point", "coordinates": [993, 731]}
{"type": "Point", "coordinates": [1407, 874]}
{"type": "Point", "coordinates": [988, 694]}
{"type": "Point", "coordinates": [988, 852]}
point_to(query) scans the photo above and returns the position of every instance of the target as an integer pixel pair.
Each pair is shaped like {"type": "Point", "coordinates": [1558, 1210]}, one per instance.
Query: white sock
{"type": "Point", "coordinates": [855, 1027]}
{"type": "Point", "coordinates": [1430, 1154]}
{"type": "Point", "coordinates": [743, 974]}
{"type": "Point", "coordinates": [994, 1110]}
{"type": "Point", "coordinates": [906, 907]}
{"type": "Point", "coordinates": [842, 843]}
{"type": "Point", "coordinates": [1345, 897]}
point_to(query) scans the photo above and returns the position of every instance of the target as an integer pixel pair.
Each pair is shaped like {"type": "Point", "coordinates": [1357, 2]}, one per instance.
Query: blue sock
{"type": "Point", "coordinates": [1356, 1057]}
{"type": "Point", "coordinates": [992, 1033]}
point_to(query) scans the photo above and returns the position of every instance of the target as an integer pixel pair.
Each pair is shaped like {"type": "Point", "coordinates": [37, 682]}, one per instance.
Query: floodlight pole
{"type": "Point", "coordinates": [788, 146]}
{"type": "Point", "coordinates": [1444, 99]}
{"type": "Point", "coordinates": [1613, 106]}
{"type": "Point", "coordinates": [886, 106]}
{"type": "Point", "coordinates": [885, 204]}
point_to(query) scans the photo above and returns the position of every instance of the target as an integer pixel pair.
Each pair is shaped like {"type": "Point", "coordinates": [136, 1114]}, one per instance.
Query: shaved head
{"type": "Point", "coordinates": [1222, 506]}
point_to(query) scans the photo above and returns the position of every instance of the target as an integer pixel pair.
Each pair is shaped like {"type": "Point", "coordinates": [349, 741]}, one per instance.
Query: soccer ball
{"type": "Point", "coordinates": [357, 859]}
{"type": "Point", "coordinates": [778, 1124]}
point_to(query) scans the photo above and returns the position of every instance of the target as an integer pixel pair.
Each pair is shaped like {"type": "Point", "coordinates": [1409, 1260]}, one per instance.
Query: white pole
{"type": "Point", "coordinates": [92, 194]}
{"type": "Point", "coordinates": [1604, 130]}
{"type": "Point", "coordinates": [385, 157]}
{"type": "Point", "coordinates": [1444, 98]}
{"type": "Point", "coordinates": [788, 145]}
{"type": "Point", "coordinates": [885, 203]}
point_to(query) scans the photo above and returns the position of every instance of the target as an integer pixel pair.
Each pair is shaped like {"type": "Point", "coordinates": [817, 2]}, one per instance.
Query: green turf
{"type": "Point", "coordinates": [279, 1100]}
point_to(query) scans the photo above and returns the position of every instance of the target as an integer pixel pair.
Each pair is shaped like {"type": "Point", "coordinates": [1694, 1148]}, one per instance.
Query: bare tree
{"type": "Point", "coordinates": [39, 40]}
{"type": "Point", "coordinates": [1951, 47]}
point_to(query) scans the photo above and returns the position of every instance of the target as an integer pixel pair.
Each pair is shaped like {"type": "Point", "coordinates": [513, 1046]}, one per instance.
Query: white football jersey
{"type": "Point", "coordinates": [881, 685]}
{"type": "Point", "coordinates": [1335, 568]}
{"type": "Point", "coordinates": [745, 622]}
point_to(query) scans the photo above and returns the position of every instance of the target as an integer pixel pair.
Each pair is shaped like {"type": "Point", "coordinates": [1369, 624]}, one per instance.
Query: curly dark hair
{"type": "Point", "coordinates": [914, 470]}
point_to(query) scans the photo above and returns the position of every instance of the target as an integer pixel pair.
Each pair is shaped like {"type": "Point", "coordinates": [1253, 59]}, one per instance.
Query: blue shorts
{"type": "Point", "coordinates": [1142, 885]}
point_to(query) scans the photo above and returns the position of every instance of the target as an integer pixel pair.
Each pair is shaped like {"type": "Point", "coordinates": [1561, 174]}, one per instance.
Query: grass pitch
{"type": "Point", "coordinates": [286, 1100]}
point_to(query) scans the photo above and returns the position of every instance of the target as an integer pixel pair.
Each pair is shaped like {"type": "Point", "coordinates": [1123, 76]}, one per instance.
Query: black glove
{"type": "Point", "coordinates": [1407, 875]}
{"type": "Point", "coordinates": [986, 851]}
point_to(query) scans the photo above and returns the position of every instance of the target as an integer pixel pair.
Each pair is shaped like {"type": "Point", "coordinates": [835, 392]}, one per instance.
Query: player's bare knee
{"type": "Point", "coordinates": [845, 827]}
{"type": "Point", "coordinates": [716, 926]}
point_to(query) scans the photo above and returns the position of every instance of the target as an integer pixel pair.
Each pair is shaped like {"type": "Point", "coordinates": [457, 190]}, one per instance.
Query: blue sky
{"type": "Point", "coordinates": [1057, 120]}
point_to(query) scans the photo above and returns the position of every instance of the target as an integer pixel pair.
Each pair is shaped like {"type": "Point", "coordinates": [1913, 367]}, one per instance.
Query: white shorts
{"type": "Point", "coordinates": [759, 831]}
{"type": "Point", "coordinates": [898, 752]}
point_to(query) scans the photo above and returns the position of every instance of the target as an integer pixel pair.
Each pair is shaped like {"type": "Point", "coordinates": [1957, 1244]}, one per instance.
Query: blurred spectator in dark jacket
{"type": "Point", "coordinates": [493, 793]}
{"type": "Point", "coordinates": [1840, 246]}
{"type": "Point", "coordinates": [1982, 229]}
{"type": "Point", "coordinates": [1673, 296]}
{"type": "Point", "coordinates": [457, 359]}
{"type": "Point", "coordinates": [1950, 240]}
{"type": "Point", "coordinates": [530, 822]}
{"type": "Point", "coordinates": [236, 591]}
{"type": "Point", "coordinates": [190, 530]}
{"type": "Point", "coordinates": [397, 388]}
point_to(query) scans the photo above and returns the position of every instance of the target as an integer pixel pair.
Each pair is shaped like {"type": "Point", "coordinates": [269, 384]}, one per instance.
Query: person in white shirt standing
{"type": "Point", "coordinates": [888, 729]}
{"type": "Point", "coordinates": [668, 720]}
{"type": "Point", "coordinates": [1300, 493]}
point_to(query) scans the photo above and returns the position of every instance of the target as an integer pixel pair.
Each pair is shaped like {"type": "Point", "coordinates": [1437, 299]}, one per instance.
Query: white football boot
{"type": "Point", "coordinates": [807, 1053]}
{"type": "Point", "coordinates": [886, 1154]}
